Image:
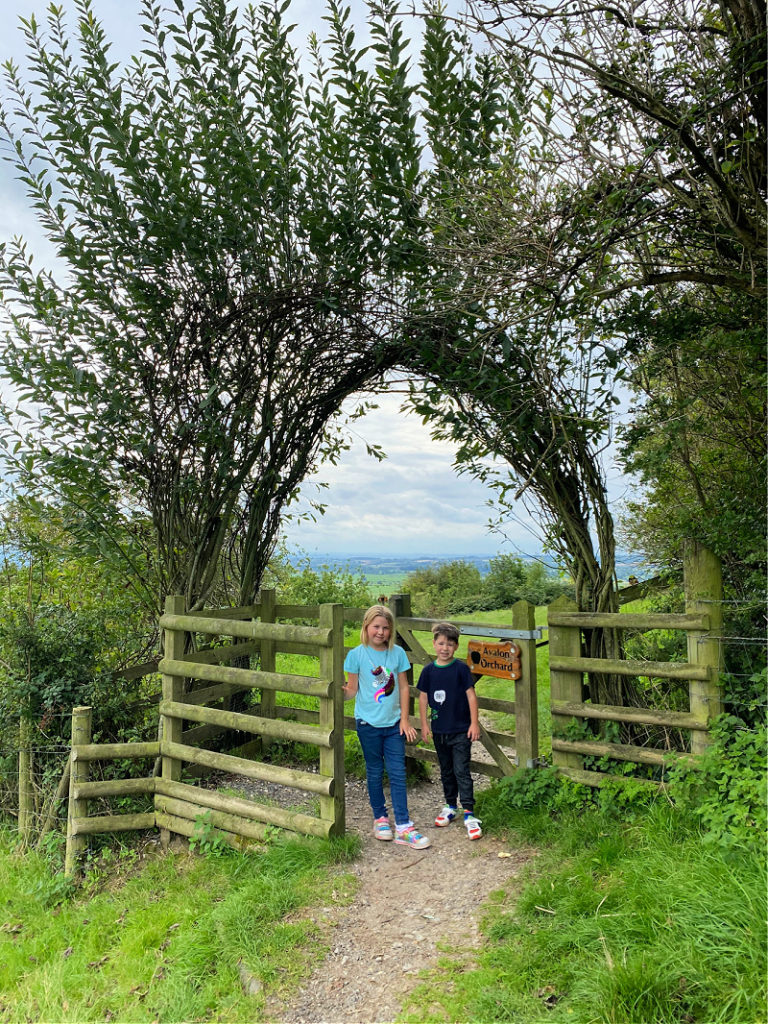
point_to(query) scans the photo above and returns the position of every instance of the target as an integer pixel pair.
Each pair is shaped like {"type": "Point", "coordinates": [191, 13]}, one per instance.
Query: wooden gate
{"type": "Point", "coordinates": [522, 747]}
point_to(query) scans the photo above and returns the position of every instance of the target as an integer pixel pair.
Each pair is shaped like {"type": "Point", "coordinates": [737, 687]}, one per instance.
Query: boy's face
{"type": "Point", "coordinates": [444, 648]}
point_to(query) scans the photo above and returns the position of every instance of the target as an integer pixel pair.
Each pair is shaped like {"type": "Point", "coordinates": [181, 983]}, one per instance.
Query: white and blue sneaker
{"type": "Point", "coordinates": [473, 826]}
{"type": "Point", "coordinates": [446, 816]}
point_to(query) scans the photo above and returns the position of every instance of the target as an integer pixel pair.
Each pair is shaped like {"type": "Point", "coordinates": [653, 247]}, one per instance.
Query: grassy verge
{"type": "Point", "coordinates": [617, 923]}
{"type": "Point", "coordinates": [170, 942]}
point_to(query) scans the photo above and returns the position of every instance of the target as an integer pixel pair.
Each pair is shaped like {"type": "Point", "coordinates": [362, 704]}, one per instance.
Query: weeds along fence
{"type": "Point", "coordinates": [205, 669]}
{"type": "Point", "coordinates": [702, 623]}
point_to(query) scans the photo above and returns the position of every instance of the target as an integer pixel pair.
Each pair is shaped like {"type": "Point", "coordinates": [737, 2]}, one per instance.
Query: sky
{"type": "Point", "coordinates": [411, 504]}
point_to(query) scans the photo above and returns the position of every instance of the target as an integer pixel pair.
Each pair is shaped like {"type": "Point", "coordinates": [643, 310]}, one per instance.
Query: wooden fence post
{"type": "Point", "coordinates": [26, 798]}
{"type": "Point", "coordinates": [267, 661]}
{"type": "Point", "coordinates": [173, 690]}
{"type": "Point", "coordinates": [400, 605]}
{"type": "Point", "coordinates": [526, 690]}
{"type": "Point", "coordinates": [704, 595]}
{"type": "Point", "coordinates": [332, 808]}
{"type": "Point", "coordinates": [81, 735]}
{"type": "Point", "coordinates": [565, 642]}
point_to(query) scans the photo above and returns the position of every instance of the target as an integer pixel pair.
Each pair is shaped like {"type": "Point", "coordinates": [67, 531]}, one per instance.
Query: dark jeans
{"type": "Point", "coordinates": [453, 752]}
{"type": "Point", "coordinates": [382, 748]}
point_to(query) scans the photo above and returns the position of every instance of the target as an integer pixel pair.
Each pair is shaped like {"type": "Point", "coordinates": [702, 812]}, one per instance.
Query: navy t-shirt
{"type": "Point", "coordinates": [446, 689]}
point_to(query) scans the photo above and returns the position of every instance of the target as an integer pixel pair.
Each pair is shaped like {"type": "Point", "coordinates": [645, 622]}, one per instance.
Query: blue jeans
{"type": "Point", "coordinates": [382, 748]}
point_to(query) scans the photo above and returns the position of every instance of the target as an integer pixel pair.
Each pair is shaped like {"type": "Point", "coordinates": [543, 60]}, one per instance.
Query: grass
{"type": "Point", "coordinates": [387, 583]}
{"type": "Point", "coordinates": [617, 923]}
{"type": "Point", "coordinates": [167, 942]}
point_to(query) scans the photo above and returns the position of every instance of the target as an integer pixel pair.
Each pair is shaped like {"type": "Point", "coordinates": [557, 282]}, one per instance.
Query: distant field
{"type": "Point", "coordinates": [385, 582]}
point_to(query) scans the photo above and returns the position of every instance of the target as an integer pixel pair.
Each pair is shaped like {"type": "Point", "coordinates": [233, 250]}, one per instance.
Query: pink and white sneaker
{"type": "Point", "coordinates": [382, 829]}
{"type": "Point", "coordinates": [410, 837]}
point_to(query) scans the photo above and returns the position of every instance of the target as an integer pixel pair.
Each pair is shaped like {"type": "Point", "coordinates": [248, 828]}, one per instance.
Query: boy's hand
{"type": "Point", "coordinates": [426, 733]}
{"type": "Point", "coordinates": [474, 732]}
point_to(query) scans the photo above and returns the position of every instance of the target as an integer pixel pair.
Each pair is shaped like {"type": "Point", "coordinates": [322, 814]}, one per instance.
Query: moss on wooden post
{"type": "Point", "coordinates": [526, 690]}
{"type": "Point", "coordinates": [173, 690]}
{"type": "Point", "coordinates": [704, 594]}
{"type": "Point", "coordinates": [331, 716]}
{"type": "Point", "coordinates": [78, 808]}
{"type": "Point", "coordinates": [564, 641]}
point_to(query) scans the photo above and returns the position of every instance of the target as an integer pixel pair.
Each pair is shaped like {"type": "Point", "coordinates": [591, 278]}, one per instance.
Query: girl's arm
{"type": "Point", "coordinates": [426, 732]}
{"type": "Point", "coordinates": [406, 729]}
{"type": "Point", "coordinates": [474, 725]}
{"type": "Point", "coordinates": [351, 688]}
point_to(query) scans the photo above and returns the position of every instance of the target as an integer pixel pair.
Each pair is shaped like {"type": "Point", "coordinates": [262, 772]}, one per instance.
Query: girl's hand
{"type": "Point", "coordinates": [407, 730]}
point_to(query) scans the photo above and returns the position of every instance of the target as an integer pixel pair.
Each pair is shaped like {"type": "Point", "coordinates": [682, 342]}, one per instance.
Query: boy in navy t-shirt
{"type": "Point", "coordinates": [448, 692]}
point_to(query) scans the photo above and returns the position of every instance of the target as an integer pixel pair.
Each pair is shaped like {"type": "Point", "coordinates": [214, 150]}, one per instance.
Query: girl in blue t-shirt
{"type": "Point", "coordinates": [376, 679]}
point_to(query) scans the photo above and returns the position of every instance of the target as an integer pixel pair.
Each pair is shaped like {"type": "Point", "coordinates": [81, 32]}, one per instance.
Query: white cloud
{"type": "Point", "coordinates": [412, 503]}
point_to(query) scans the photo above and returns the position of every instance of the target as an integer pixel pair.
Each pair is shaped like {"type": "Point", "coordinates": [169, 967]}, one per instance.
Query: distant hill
{"type": "Point", "coordinates": [401, 565]}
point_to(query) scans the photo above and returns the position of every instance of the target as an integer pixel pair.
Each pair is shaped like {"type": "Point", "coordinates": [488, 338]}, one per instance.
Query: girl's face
{"type": "Point", "coordinates": [378, 631]}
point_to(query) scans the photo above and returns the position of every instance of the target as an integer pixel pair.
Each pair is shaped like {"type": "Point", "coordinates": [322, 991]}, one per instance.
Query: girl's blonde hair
{"type": "Point", "coordinates": [373, 612]}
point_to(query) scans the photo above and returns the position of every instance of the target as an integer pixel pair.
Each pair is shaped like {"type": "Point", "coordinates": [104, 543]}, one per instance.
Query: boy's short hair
{"type": "Point", "coordinates": [446, 629]}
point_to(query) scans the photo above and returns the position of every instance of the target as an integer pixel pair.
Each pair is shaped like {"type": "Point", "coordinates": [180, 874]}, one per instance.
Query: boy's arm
{"type": "Point", "coordinates": [426, 732]}
{"type": "Point", "coordinates": [351, 688]}
{"type": "Point", "coordinates": [406, 729]}
{"type": "Point", "coordinates": [474, 724]}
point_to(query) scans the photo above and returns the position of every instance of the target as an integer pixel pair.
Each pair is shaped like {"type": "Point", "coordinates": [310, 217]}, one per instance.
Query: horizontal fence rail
{"type": "Point", "coordinates": [310, 635]}
{"type": "Point", "coordinates": [251, 679]}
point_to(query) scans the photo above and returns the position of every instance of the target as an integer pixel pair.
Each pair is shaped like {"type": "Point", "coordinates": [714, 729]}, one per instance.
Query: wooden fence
{"type": "Point", "coordinates": [193, 681]}
{"type": "Point", "coordinates": [200, 681]}
{"type": "Point", "coordinates": [702, 622]}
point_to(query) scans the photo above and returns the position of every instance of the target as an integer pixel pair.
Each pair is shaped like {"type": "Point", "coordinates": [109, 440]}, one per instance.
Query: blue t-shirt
{"type": "Point", "coordinates": [446, 689]}
{"type": "Point", "coordinates": [378, 695]}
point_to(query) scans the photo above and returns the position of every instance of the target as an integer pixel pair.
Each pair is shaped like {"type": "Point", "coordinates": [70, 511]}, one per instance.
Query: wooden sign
{"type": "Point", "coordinates": [501, 660]}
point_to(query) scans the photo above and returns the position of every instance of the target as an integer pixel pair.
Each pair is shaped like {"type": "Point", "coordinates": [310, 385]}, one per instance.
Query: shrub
{"type": "Point", "coordinates": [725, 788]}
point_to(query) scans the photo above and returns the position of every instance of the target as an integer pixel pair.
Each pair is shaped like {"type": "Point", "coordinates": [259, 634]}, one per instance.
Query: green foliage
{"type": "Point", "coordinates": [52, 662]}
{"type": "Point", "coordinates": [207, 839]}
{"type": "Point", "coordinates": [510, 579]}
{"type": "Point", "coordinates": [696, 443]}
{"type": "Point", "coordinates": [458, 587]}
{"type": "Point", "coordinates": [443, 589]}
{"type": "Point", "coordinates": [327, 585]}
{"type": "Point", "coordinates": [241, 237]}
{"type": "Point", "coordinates": [725, 788]}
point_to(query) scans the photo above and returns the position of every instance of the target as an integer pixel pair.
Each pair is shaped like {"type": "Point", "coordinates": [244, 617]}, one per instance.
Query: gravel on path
{"type": "Point", "coordinates": [410, 907]}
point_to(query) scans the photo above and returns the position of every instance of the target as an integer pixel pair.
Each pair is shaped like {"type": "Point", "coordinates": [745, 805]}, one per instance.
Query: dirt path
{"type": "Point", "coordinates": [408, 905]}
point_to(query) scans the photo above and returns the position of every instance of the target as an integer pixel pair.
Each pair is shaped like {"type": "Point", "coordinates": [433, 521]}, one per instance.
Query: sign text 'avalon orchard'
{"type": "Point", "coordinates": [499, 660]}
